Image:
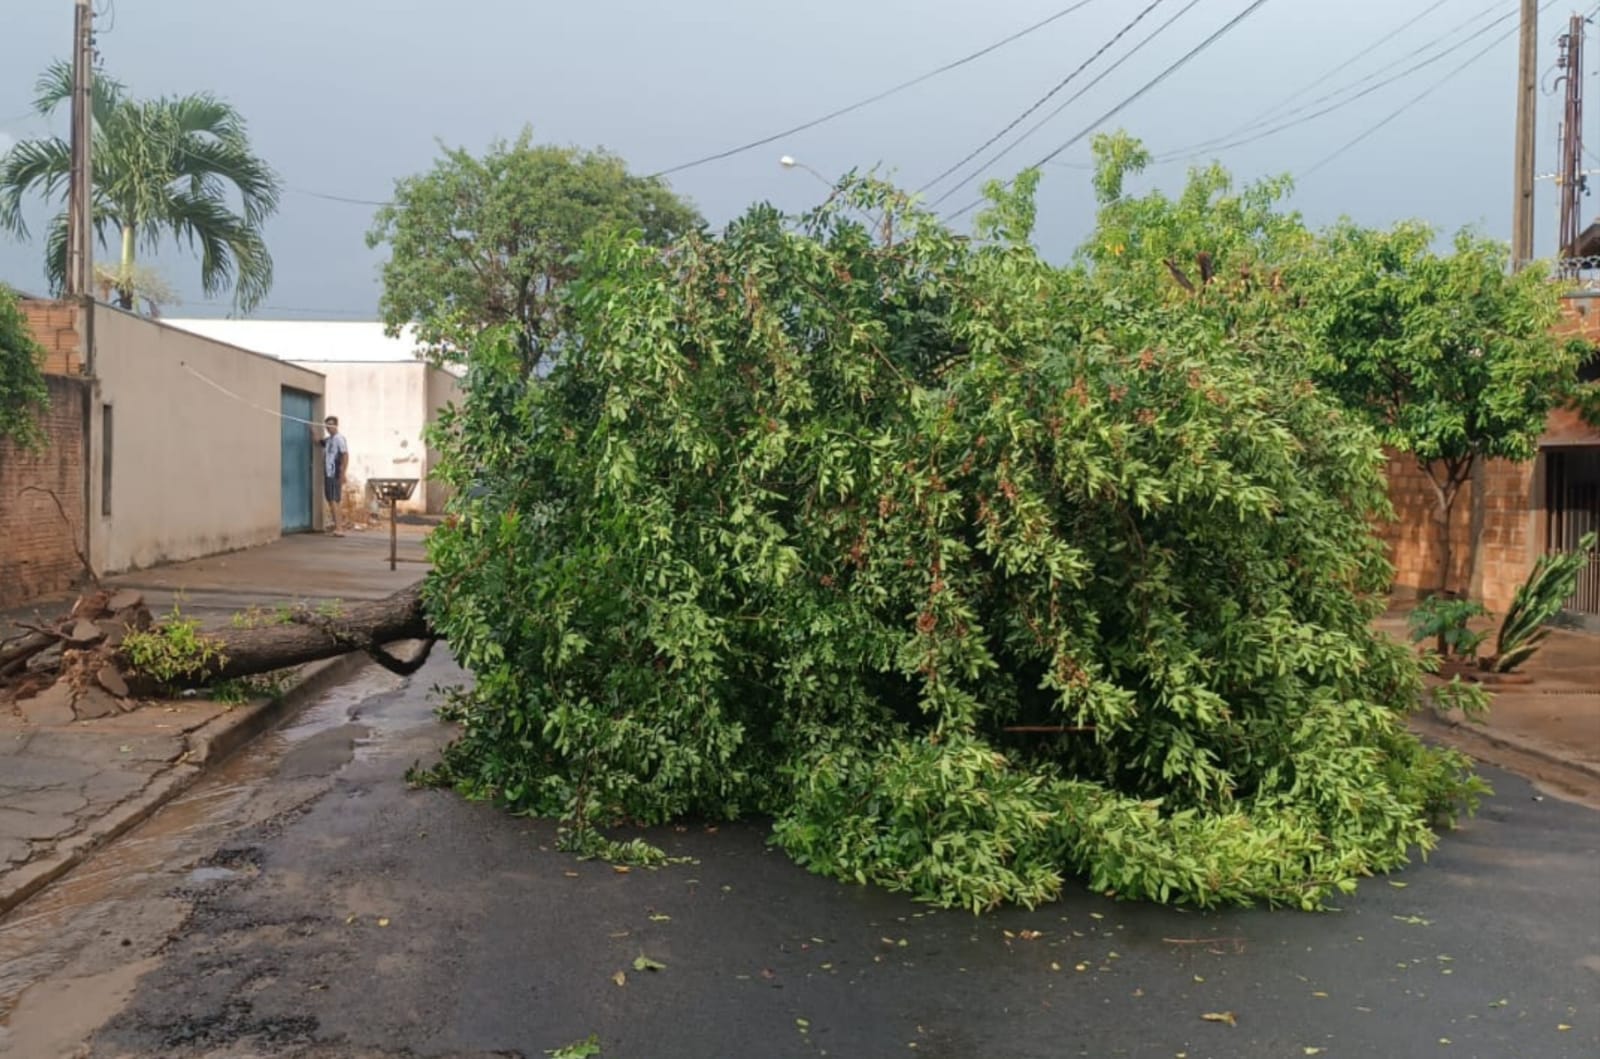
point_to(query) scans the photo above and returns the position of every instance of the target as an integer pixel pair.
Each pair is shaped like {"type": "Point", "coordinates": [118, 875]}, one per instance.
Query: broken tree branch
{"type": "Point", "coordinates": [88, 567]}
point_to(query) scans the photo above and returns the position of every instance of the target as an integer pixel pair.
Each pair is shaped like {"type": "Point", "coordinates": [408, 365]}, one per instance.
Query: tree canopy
{"type": "Point", "coordinates": [171, 167]}
{"type": "Point", "coordinates": [1448, 356]}
{"type": "Point", "coordinates": [22, 386]}
{"type": "Point", "coordinates": [480, 242]}
{"type": "Point", "coordinates": [973, 573]}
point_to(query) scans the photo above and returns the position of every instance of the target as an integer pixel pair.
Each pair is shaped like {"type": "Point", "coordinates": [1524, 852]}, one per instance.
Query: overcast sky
{"type": "Point", "coordinates": [344, 96]}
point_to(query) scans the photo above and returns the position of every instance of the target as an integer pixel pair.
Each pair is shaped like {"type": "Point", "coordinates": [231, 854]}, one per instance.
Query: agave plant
{"type": "Point", "coordinates": [1554, 579]}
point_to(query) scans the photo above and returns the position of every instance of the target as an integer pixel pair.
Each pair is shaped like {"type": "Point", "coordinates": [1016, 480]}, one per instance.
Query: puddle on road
{"type": "Point", "coordinates": [105, 896]}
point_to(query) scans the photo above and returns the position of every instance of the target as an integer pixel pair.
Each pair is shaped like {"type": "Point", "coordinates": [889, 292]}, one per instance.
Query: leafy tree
{"type": "Point", "coordinates": [973, 573]}
{"type": "Point", "coordinates": [1451, 357]}
{"type": "Point", "coordinates": [1448, 356]}
{"type": "Point", "coordinates": [480, 242]}
{"type": "Point", "coordinates": [166, 167]}
{"type": "Point", "coordinates": [22, 386]}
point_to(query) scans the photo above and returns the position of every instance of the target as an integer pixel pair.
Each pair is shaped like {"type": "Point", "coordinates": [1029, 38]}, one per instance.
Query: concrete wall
{"type": "Point", "coordinates": [444, 390]}
{"type": "Point", "coordinates": [194, 470]}
{"type": "Point", "coordinates": [383, 409]}
{"type": "Point", "coordinates": [39, 542]}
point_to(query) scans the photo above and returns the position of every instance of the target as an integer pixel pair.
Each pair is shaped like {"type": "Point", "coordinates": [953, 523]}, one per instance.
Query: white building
{"type": "Point", "coordinates": [383, 394]}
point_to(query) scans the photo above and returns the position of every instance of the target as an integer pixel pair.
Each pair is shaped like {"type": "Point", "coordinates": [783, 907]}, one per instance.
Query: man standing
{"type": "Point", "coordinates": [335, 458]}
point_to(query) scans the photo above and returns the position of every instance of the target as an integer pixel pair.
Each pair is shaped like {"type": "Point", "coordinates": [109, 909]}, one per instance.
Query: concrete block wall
{"type": "Point", "coordinates": [38, 547]}
{"type": "Point", "coordinates": [1508, 541]}
{"type": "Point", "coordinates": [55, 326]}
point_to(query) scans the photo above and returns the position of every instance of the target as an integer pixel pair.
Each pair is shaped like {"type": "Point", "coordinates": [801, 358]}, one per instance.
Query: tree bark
{"type": "Point", "coordinates": [125, 293]}
{"type": "Point", "coordinates": [311, 637]}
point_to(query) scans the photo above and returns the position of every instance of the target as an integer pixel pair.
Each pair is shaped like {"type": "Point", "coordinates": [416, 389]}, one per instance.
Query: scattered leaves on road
{"type": "Point", "coordinates": [1221, 1016]}
{"type": "Point", "coordinates": [621, 978]}
{"type": "Point", "coordinates": [383, 921]}
{"type": "Point", "coordinates": [584, 1049]}
{"type": "Point", "coordinates": [645, 963]}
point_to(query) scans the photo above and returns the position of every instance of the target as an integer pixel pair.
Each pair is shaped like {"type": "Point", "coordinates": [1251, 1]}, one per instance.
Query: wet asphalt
{"type": "Point", "coordinates": [324, 909]}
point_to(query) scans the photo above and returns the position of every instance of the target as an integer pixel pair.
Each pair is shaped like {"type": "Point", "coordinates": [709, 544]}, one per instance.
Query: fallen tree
{"type": "Point", "coordinates": [109, 651]}
{"type": "Point", "coordinates": [971, 573]}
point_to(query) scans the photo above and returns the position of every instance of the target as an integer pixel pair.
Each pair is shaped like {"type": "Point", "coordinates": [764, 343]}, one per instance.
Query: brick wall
{"type": "Point", "coordinates": [37, 548]}
{"type": "Point", "coordinates": [1509, 535]}
{"type": "Point", "coordinates": [55, 327]}
{"type": "Point", "coordinates": [1506, 548]}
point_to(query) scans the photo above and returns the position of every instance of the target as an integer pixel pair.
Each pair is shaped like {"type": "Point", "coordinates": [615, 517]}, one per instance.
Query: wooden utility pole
{"type": "Point", "coordinates": [1527, 99]}
{"type": "Point", "coordinates": [80, 192]}
{"type": "Point", "coordinates": [1571, 183]}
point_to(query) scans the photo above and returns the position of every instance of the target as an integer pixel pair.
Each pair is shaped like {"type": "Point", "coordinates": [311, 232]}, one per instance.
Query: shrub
{"type": "Point", "coordinates": [1446, 622]}
{"type": "Point", "coordinates": [807, 525]}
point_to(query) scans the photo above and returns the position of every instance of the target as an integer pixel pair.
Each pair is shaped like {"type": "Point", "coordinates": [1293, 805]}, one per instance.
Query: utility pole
{"type": "Point", "coordinates": [1527, 100]}
{"type": "Point", "coordinates": [1571, 183]}
{"type": "Point", "coordinates": [80, 192]}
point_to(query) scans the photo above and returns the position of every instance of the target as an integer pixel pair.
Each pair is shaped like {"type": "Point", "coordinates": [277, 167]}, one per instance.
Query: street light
{"type": "Point", "coordinates": [881, 225]}
{"type": "Point", "coordinates": [789, 162]}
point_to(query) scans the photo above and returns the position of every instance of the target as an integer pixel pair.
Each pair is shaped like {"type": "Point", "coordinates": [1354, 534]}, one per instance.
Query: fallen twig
{"type": "Point", "coordinates": [88, 567]}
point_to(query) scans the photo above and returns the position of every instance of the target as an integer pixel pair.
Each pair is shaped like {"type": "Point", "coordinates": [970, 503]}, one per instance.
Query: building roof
{"type": "Point", "coordinates": [309, 341]}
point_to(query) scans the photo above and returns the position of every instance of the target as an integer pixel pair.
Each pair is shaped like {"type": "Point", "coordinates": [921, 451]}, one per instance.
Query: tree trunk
{"type": "Point", "coordinates": [83, 655]}
{"type": "Point", "coordinates": [310, 637]}
{"type": "Point", "coordinates": [125, 293]}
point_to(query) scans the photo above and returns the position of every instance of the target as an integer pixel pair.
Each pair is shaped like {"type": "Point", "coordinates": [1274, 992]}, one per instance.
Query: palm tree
{"type": "Point", "coordinates": [167, 166]}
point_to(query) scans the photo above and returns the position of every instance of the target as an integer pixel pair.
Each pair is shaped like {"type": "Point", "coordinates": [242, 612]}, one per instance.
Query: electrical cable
{"type": "Point", "coordinates": [1276, 111]}
{"type": "Point", "coordinates": [335, 198]}
{"type": "Point", "coordinates": [208, 380]}
{"type": "Point", "coordinates": [885, 94]}
{"type": "Point", "coordinates": [1145, 89]}
{"type": "Point", "coordinates": [1421, 95]}
{"type": "Point", "coordinates": [1079, 94]}
{"type": "Point", "coordinates": [1042, 100]}
{"type": "Point", "coordinates": [1341, 104]}
{"type": "Point", "coordinates": [1270, 112]}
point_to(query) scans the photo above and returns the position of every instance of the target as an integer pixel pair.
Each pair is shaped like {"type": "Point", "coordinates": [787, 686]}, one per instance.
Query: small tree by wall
{"type": "Point", "coordinates": [1451, 357]}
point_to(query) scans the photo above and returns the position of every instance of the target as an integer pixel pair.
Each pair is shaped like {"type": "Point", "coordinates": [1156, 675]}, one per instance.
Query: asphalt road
{"type": "Point", "coordinates": [305, 903]}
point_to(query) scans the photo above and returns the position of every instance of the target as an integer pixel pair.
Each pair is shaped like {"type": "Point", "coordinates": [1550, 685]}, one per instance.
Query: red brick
{"type": "Point", "coordinates": [39, 556]}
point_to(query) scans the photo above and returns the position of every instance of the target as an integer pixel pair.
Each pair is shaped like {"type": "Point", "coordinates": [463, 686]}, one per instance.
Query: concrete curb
{"type": "Point", "coordinates": [1483, 743]}
{"type": "Point", "coordinates": [209, 745]}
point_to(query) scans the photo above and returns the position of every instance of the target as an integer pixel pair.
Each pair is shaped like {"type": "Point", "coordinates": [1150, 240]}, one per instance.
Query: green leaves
{"type": "Point", "coordinates": [22, 387]}
{"type": "Point", "coordinates": [1537, 601]}
{"type": "Point", "coordinates": [171, 167]}
{"type": "Point", "coordinates": [483, 242]}
{"type": "Point", "coordinates": [974, 574]}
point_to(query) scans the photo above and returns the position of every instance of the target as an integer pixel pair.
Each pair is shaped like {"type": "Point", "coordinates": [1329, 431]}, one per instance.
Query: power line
{"type": "Point", "coordinates": [336, 198]}
{"type": "Point", "coordinates": [1424, 94]}
{"type": "Point", "coordinates": [1276, 109]}
{"type": "Point", "coordinates": [1079, 94]}
{"type": "Point", "coordinates": [1214, 145]}
{"type": "Point", "coordinates": [1144, 90]}
{"type": "Point", "coordinates": [1042, 100]}
{"type": "Point", "coordinates": [902, 86]}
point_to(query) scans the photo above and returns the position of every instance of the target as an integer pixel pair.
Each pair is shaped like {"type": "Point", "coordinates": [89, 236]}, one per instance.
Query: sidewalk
{"type": "Point", "coordinates": [1550, 726]}
{"type": "Point", "coordinates": [66, 788]}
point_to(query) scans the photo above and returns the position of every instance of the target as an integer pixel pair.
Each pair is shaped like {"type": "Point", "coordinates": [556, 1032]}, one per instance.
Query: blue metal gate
{"type": "Point", "coordinates": [297, 457]}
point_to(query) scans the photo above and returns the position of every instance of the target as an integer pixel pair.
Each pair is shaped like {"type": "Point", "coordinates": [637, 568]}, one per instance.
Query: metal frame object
{"type": "Point", "coordinates": [393, 490]}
